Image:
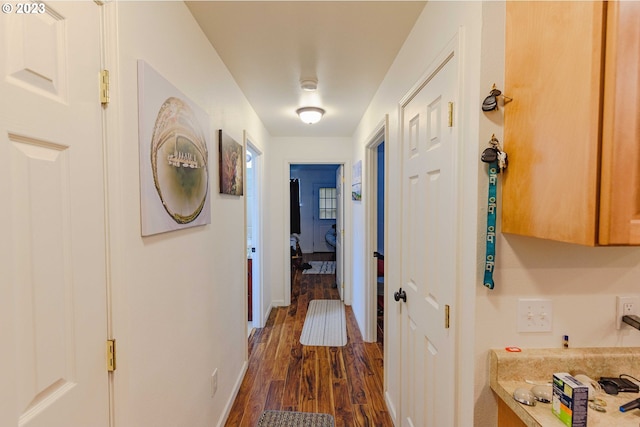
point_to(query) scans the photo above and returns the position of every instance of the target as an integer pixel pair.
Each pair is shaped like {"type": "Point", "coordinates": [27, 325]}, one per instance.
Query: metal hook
{"type": "Point", "coordinates": [490, 103]}
{"type": "Point", "coordinates": [494, 142]}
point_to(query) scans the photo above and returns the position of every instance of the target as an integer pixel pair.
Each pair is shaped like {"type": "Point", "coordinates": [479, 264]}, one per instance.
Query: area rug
{"type": "Point", "coordinates": [325, 324]}
{"type": "Point", "coordinates": [294, 419]}
{"type": "Point", "coordinates": [321, 267]}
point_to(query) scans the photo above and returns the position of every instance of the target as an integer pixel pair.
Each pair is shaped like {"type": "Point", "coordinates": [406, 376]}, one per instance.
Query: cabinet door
{"type": "Point", "coordinates": [506, 416]}
{"type": "Point", "coordinates": [620, 185]}
{"type": "Point", "coordinates": [553, 73]}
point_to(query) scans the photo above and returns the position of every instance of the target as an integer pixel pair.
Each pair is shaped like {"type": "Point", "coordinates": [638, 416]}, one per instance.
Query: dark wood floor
{"type": "Point", "coordinates": [345, 382]}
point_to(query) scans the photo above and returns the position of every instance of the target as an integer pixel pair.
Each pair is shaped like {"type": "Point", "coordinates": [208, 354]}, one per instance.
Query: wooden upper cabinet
{"type": "Point", "coordinates": [620, 182]}
{"type": "Point", "coordinates": [571, 131]}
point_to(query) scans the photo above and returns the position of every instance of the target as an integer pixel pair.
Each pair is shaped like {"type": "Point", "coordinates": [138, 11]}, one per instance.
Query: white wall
{"type": "Point", "coordinates": [282, 153]}
{"type": "Point", "coordinates": [179, 298]}
{"type": "Point", "coordinates": [436, 27]}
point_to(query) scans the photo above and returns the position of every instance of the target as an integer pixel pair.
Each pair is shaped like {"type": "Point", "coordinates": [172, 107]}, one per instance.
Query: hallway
{"type": "Point", "coordinates": [285, 375]}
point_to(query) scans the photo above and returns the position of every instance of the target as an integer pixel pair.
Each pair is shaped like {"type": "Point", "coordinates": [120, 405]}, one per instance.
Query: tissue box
{"type": "Point", "coordinates": [570, 400]}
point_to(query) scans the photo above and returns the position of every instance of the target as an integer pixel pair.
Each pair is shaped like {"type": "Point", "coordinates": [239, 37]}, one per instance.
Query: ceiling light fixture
{"type": "Point", "coordinates": [309, 84]}
{"type": "Point", "coordinates": [310, 115]}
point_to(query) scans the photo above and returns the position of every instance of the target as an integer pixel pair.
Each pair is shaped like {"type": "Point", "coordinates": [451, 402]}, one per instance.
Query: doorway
{"type": "Point", "coordinates": [379, 240]}
{"type": "Point", "coordinates": [429, 242]}
{"type": "Point", "coordinates": [253, 226]}
{"type": "Point", "coordinates": [315, 226]}
{"type": "Point", "coordinates": [375, 240]}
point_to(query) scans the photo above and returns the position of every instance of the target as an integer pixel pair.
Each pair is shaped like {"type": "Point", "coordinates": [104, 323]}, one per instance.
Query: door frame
{"type": "Point", "coordinates": [448, 55]}
{"type": "Point", "coordinates": [346, 242]}
{"type": "Point", "coordinates": [340, 231]}
{"type": "Point", "coordinates": [380, 134]}
{"type": "Point", "coordinates": [257, 270]}
{"type": "Point", "coordinates": [469, 275]}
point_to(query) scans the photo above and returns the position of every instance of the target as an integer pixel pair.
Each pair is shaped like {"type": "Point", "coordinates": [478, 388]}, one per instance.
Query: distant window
{"type": "Point", "coordinates": [327, 203]}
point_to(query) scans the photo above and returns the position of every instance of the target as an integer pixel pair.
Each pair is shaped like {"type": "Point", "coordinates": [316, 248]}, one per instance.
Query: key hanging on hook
{"type": "Point", "coordinates": [495, 154]}
{"type": "Point", "coordinates": [490, 103]}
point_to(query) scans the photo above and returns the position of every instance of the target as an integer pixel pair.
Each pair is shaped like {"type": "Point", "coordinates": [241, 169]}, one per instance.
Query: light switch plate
{"type": "Point", "coordinates": [535, 315]}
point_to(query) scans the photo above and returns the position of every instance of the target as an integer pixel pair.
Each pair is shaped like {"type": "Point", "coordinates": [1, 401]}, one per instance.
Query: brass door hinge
{"type": "Point", "coordinates": [451, 114]}
{"type": "Point", "coordinates": [104, 87]}
{"type": "Point", "coordinates": [111, 355]}
{"type": "Point", "coordinates": [447, 309]}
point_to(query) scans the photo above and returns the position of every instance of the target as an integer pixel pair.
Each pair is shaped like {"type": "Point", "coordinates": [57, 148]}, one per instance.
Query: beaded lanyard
{"type": "Point", "coordinates": [497, 160]}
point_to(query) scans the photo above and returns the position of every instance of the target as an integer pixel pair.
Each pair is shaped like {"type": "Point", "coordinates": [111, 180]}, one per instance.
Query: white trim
{"type": "Point", "coordinates": [379, 135]}
{"type": "Point", "coordinates": [469, 273]}
{"type": "Point", "coordinates": [234, 394]}
{"type": "Point", "coordinates": [258, 284]}
{"type": "Point", "coordinates": [114, 184]}
{"type": "Point", "coordinates": [268, 313]}
{"type": "Point", "coordinates": [340, 257]}
{"type": "Point", "coordinates": [391, 408]}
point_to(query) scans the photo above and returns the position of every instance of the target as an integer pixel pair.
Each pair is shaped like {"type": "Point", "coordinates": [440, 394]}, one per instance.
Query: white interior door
{"type": "Point", "coordinates": [429, 252]}
{"type": "Point", "coordinates": [254, 244]}
{"type": "Point", "coordinates": [53, 321]}
{"type": "Point", "coordinates": [339, 230]}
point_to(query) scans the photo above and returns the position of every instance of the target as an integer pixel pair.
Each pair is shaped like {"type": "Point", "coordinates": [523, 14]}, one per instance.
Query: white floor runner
{"type": "Point", "coordinates": [321, 267]}
{"type": "Point", "coordinates": [325, 324]}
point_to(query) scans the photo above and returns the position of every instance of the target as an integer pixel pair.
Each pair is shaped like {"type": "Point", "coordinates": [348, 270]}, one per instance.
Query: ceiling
{"type": "Point", "coordinates": [269, 46]}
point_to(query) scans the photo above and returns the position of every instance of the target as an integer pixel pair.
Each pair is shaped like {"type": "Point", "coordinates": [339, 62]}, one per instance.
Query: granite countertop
{"type": "Point", "coordinates": [511, 370]}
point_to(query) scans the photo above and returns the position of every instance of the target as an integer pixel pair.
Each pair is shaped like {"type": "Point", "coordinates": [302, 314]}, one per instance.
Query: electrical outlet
{"type": "Point", "coordinates": [626, 305]}
{"type": "Point", "coordinates": [214, 382]}
{"type": "Point", "coordinates": [535, 315]}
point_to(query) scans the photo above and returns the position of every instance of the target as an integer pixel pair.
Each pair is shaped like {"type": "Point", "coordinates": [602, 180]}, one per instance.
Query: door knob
{"type": "Point", "coordinates": [400, 295]}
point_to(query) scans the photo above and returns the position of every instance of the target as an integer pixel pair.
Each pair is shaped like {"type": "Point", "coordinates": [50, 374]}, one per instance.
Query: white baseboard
{"type": "Point", "coordinates": [391, 409]}
{"type": "Point", "coordinates": [266, 315]}
{"type": "Point", "coordinates": [234, 394]}
{"type": "Point", "coordinates": [278, 303]}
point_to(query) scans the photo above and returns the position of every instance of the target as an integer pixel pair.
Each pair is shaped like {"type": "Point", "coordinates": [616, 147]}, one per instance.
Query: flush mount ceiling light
{"type": "Point", "coordinates": [310, 115]}
{"type": "Point", "coordinates": [309, 84]}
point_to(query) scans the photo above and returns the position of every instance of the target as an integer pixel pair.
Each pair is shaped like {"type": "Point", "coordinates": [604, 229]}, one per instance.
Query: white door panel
{"type": "Point", "coordinates": [429, 251]}
{"type": "Point", "coordinates": [53, 280]}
